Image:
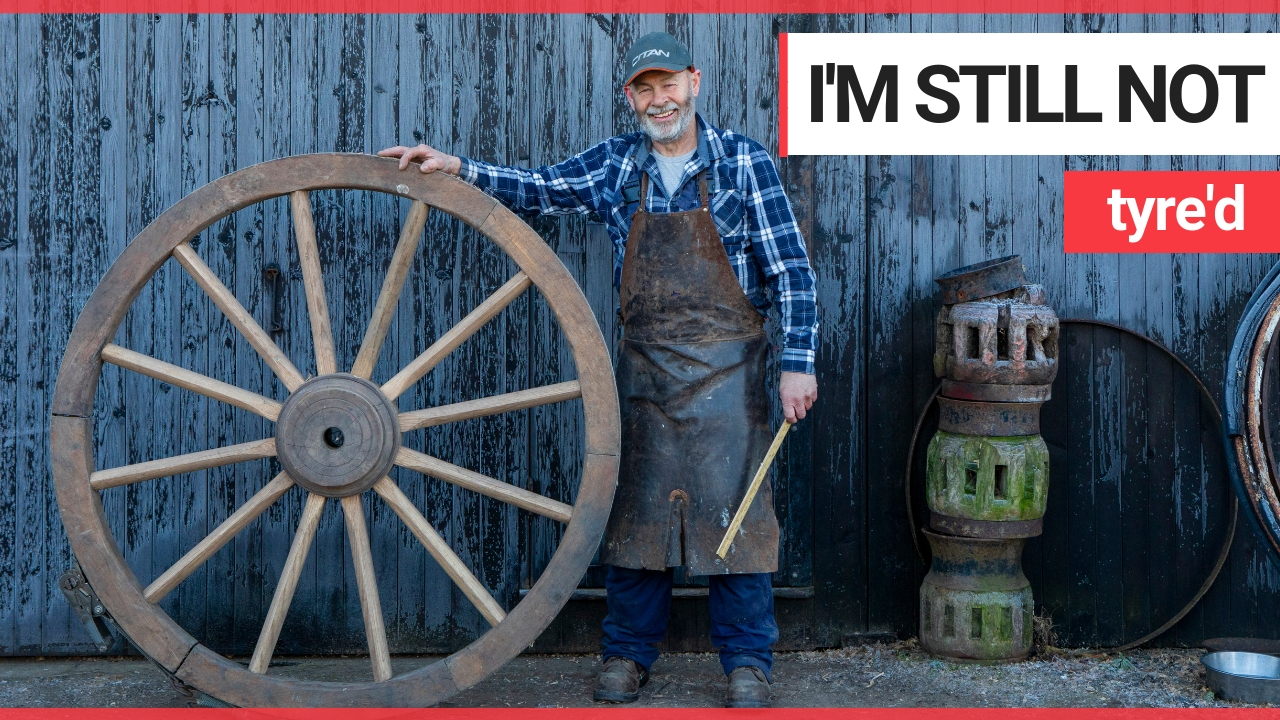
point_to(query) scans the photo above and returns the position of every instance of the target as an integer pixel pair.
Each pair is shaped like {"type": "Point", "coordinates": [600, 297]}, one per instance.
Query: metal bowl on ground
{"type": "Point", "coordinates": [1243, 676]}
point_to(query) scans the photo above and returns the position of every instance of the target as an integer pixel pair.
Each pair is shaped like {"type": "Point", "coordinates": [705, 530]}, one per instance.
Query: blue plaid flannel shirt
{"type": "Point", "coordinates": [750, 209]}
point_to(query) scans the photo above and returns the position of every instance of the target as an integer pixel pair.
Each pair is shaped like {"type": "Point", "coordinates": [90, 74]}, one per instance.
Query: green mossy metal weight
{"type": "Point", "coordinates": [975, 603]}
{"type": "Point", "coordinates": [987, 478]}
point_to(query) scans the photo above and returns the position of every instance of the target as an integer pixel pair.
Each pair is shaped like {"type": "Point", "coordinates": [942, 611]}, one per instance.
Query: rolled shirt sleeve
{"type": "Point", "coordinates": [571, 187]}
{"type": "Point", "coordinates": [780, 251]}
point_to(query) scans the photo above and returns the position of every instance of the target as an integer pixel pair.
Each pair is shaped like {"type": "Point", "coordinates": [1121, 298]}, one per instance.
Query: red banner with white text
{"type": "Point", "coordinates": [1171, 212]}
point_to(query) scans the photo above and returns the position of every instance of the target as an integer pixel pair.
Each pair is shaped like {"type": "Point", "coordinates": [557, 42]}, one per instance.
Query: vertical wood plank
{"type": "Point", "coordinates": [554, 429]}
{"type": "Point", "coordinates": [240, 568]}
{"type": "Point", "coordinates": [276, 241]}
{"type": "Point", "coordinates": [1023, 175]}
{"type": "Point", "coordinates": [1235, 283]}
{"type": "Point", "coordinates": [428, 311]}
{"type": "Point", "coordinates": [1149, 309]}
{"type": "Point", "coordinates": [33, 272]}
{"type": "Point", "coordinates": [485, 530]}
{"type": "Point", "coordinates": [1048, 576]}
{"type": "Point", "coordinates": [9, 326]}
{"type": "Point", "coordinates": [1132, 560]}
{"type": "Point", "coordinates": [836, 224]}
{"type": "Point", "coordinates": [382, 229]}
{"type": "Point", "coordinates": [200, 505]}
{"type": "Point", "coordinates": [971, 182]}
{"type": "Point", "coordinates": [260, 552]}
{"type": "Point", "coordinates": [79, 217]}
{"type": "Point", "coordinates": [318, 602]}
{"type": "Point", "coordinates": [515, 367]}
{"type": "Point", "coordinates": [937, 243]}
{"type": "Point", "coordinates": [458, 443]}
{"type": "Point", "coordinates": [890, 554]}
{"type": "Point", "coordinates": [110, 427]}
{"type": "Point", "coordinates": [424, 598]}
{"type": "Point", "coordinates": [997, 177]}
{"type": "Point", "coordinates": [337, 594]}
{"type": "Point", "coordinates": [136, 528]}
{"type": "Point", "coordinates": [1187, 319]}
{"type": "Point", "coordinates": [167, 513]}
{"type": "Point", "coordinates": [65, 41]}
{"type": "Point", "coordinates": [924, 309]}
{"type": "Point", "coordinates": [348, 278]}
{"type": "Point", "coordinates": [1108, 445]}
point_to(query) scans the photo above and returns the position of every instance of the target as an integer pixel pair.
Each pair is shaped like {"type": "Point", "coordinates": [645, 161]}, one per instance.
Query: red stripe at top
{"type": "Point", "coordinates": [640, 6]}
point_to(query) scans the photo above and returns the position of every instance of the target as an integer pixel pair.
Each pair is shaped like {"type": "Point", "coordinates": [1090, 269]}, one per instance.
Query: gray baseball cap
{"type": "Point", "coordinates": [655, 51]}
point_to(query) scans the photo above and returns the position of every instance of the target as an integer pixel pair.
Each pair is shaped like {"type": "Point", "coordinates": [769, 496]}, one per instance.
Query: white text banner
{"type": "Point", "coordinates": [1031, 94]}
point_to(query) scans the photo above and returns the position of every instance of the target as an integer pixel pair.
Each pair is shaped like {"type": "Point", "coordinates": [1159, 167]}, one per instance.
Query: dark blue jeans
{"type": "Point", "coordinates": [742, 624]}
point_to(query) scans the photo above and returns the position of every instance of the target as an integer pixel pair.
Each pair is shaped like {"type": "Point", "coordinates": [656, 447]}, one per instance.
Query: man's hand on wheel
{"type": "Point", "coordinates": [798, 391]}
{"type": "Point", "coordinates": [431, 158]}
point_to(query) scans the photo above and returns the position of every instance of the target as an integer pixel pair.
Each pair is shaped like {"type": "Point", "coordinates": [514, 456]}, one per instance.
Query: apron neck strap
{"type": "Point", "coordinates": [644, 188]}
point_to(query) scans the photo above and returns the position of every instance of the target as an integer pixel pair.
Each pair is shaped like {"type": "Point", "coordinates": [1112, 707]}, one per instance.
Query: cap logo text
{"type": "Point", "coordinates": [650, 53]}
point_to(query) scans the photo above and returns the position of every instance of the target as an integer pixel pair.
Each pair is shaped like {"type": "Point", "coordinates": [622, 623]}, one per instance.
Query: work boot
{"type": "Point", "coordinates": [748, 688]}
{"type": "Point", "coordinates": [620, 681]}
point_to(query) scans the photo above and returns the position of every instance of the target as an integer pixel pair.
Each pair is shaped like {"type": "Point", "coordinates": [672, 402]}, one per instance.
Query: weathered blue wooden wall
{"type": "Point", "coordinates": [105, 121]}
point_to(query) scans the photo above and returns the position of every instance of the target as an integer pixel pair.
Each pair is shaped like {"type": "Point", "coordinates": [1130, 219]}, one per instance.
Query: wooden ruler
{"type": "Point", "coordinates": [751, 491]}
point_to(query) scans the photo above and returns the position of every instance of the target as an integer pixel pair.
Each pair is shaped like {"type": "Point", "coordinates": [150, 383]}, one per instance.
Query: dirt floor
{"type": "Point", "coordinates": [897, 675]}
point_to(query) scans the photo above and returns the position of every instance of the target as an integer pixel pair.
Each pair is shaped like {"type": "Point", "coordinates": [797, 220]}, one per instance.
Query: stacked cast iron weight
{"type": "Point", "coordinates": [987, 474]}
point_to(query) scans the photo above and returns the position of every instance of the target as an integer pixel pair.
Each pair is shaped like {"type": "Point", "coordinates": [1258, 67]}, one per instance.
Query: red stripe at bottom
{"type": "Point", "coordinates": [633, 713]}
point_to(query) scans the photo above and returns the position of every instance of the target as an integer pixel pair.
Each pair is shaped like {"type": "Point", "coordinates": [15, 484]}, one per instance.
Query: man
{"type": "Point", "coordinates": [700, 226]}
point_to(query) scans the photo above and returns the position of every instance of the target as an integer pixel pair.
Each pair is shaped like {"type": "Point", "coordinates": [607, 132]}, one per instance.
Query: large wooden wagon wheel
{"type": "Point", "coordinates": [336, 435]}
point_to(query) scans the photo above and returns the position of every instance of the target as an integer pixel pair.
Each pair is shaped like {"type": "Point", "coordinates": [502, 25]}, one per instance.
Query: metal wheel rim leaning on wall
{"type": "Point", "coordinates": [155, 633]}
{"type": "Point", "coordinates": [1269, 282]}
{"type": "Point", "coordinates": [1245, 389]}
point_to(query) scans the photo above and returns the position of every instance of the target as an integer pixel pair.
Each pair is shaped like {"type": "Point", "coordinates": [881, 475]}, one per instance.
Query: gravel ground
{"type": "Point", "coordinates": [869, 676]}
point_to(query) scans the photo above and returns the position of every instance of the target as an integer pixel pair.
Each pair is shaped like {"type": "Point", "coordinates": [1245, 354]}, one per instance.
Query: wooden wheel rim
{"type": "Point", "coordinates": [71, 434]}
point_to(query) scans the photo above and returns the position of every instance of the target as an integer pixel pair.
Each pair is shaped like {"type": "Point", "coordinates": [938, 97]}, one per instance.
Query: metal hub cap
{"type": "Point", "coordinates": [337, 435]}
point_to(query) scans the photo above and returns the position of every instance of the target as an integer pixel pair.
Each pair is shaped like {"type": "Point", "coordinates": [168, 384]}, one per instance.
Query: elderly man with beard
{"type": "Point", "coordinates": [701, 230]}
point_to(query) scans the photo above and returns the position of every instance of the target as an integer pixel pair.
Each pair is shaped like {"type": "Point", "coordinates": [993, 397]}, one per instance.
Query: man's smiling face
{"type": "Point", "coordinates": [663, 102]}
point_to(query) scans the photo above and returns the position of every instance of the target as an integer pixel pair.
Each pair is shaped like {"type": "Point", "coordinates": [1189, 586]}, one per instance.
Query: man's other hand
{"type": "Point", "coordinates": [431, 158]}
{"type": "Point", "coordinates": [798, 391]}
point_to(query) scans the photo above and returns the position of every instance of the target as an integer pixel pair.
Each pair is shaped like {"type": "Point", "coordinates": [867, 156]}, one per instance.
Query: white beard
{"type": "Point", "coordinates": [671, 130]}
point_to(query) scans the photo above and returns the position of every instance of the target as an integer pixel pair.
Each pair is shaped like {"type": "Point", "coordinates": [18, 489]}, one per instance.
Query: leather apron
{"type": "Point", "coordinates": [695, 416]}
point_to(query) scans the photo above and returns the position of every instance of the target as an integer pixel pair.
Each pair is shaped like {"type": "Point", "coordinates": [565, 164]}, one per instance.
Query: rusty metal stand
{"type": "Point", "coordinates": [1223, 551]}
{"type": "Point", "coordinates": [987, 477]}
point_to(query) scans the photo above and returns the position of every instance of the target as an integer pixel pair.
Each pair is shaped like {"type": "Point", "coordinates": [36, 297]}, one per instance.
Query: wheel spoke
{"type": "Point", "coordinates": [432, 356]}
{"type": "Point", "coordinates": [410, 235]}
{"type": "Point", "coordinates": [220, 536]}
{"type": "Point", "coordinates": [235, 312]}
{"type": "Point", "coordinates": [362, 557]}
{"type": "Point", "coordinates": [440, 550]}
{"type": "Point", "coordinates": [484, 485]}
{"type": "Point", "coordinates": [283, 597]}
{"type": "Point", "coordinates": [508, 402]}
{"type": "Point", "coordinates": [304, 226]}
{"type": "Point", "coordinates": [256, 450]}
{"type": "Point", "coordinates": [193, 381]}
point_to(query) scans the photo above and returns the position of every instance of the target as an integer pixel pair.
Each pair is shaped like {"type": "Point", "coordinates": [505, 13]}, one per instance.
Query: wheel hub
{"type": "Point", "coordinates": [337, 435]}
